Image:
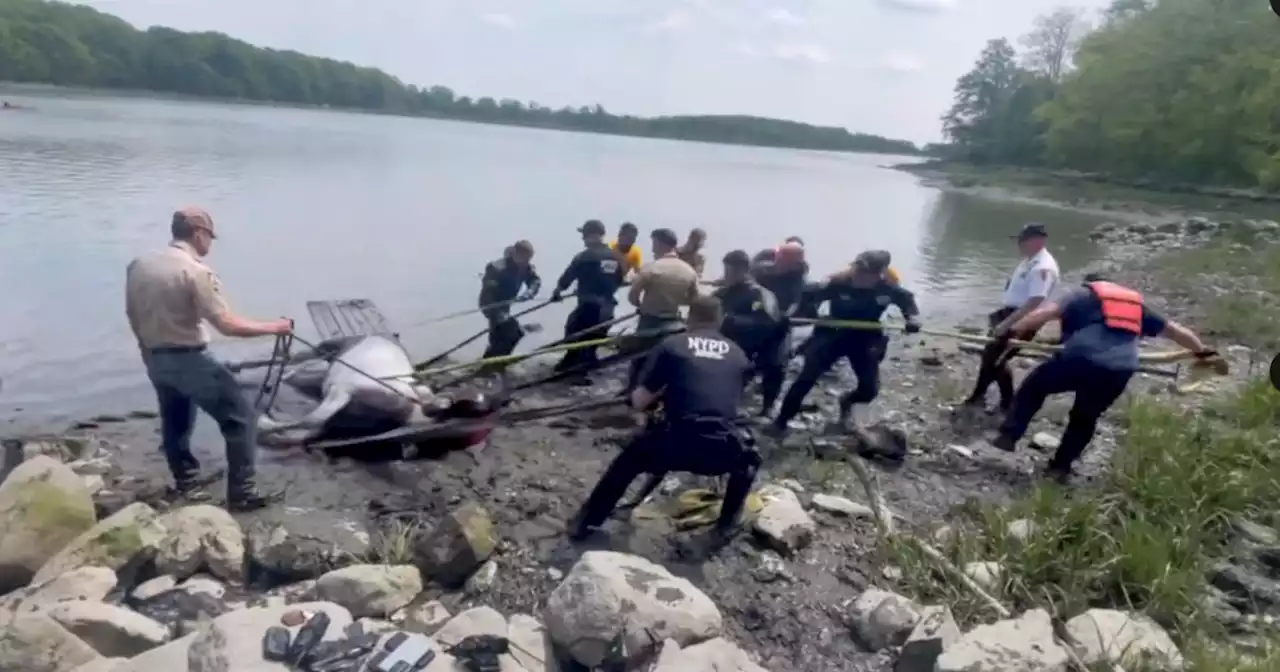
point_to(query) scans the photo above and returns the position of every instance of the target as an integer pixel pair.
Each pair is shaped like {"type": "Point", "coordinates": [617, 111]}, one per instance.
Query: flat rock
{"type": "Point", "coordinates": [33, 642]}
{"type": "Point", "coordinates": [371, 590]}
{"type": "Point", "coordinates": [111, 543]}
{"type": "Point", "coordinates": [609, 597]}
{"type": "Point", "coordinates": [842, 506]}
{"type": "Point", "coordinates": [181, 610]}
{"type": "Point", "coordinates": [234, 638]}
{"type": "Point", "coordinates": [1023, 644]}
{"type": "Point", "coordinates": [882, 619]}
{"type": "Point", "coordinates": [201, 538]}
{"type": "Point", "coordinates": [112, 631]}
{"type": "Point", "coordinates": [424, 618]}
{"type": "Point", "coordinates": [457, 546]}
{"type": "Point", "coordinates": [531, 646]}
{"type": "Point", "coordinates": [717, 655]}
{"type": "Point", "coordinates": [150, 589]}
{"type": "Point", "coordinates": [293, 544]}
{"type": "Point", "coordinates": [1044, 441]}
{"type": "Point", "coordinates": [43, 507]}
{"type": "Point", "coordinates": [102, 665]}
{"type": "Point", "coordinates": [91, 584]}
{"type": "Point", "coordinates": [783, 523]}
{"type": "Point", "coordinates": [1117, 638]}
{"type": "Point", "coordinates": [476, 621]}
{"type": "Point", "coordinates": [933, 634]}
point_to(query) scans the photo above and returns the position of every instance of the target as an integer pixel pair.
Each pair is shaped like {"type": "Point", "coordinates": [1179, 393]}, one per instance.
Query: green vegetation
{"type": "Point", "coordinates": [69, 45]}
{"type": "Point", "coordinates": [1232, 286]}
{"type": "Point", "coordinates": [1162, 92]}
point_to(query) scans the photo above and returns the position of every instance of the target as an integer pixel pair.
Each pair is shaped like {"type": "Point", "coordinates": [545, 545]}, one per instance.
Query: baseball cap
{"type": "Point", "coordinates": [592, 227]}
{"type": "Point", "coordinates": [795, 239]}
{"type": "Point", "coordinates": [665, 236]}
{"type": "Point", "coordinates": [1032, 230]}
{"type": "Point", "coordinates": [195, 218]}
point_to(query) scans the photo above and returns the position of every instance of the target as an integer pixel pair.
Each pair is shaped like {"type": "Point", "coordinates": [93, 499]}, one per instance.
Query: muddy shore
{"type": "Point", "coordinates": [791, 611]}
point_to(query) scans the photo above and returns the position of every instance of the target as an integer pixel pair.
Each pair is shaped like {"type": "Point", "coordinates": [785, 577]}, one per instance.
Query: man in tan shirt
{"type": "Point", "coordinates": [169, 295]}
{"type": "Point", "coordinates": [660, 289]}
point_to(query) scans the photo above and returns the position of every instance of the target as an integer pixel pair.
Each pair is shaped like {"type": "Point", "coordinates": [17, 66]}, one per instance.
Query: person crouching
{"type": "Point", "coordinates": [699, 376]}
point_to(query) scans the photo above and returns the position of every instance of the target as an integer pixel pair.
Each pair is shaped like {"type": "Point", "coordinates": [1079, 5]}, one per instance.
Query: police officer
{"type": "Point", "coordinates": [658, 292]}
{"type": "Point", "coordinates": [1030, 285]}
{"type": "Point", "coordinates": [503, 280]}
{"type": "Point", "coordinates": [753, 321]}
{"type": "Point", "coordinates": [1102, 323]}
{"type": "Point", "coordinates": [169, 294]}
{"type": "Point", "coordinates": [599, 272]}
{"type": "Point", "coordinates": [698, 376]}
{"type": "Point", "coordinates": [785, 274]}
{"type": "Point", "coordinates": [864, 296]}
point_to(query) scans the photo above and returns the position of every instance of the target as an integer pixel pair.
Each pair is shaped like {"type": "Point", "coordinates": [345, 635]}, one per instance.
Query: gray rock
{"type": "Point", "coordinates": [842, 506]}
{"type": "Point", "coordinates": [783, 523]}
{"type": "Point", "coordinates": [1130, 640]}
{"type": "Point", "coordinates": [1019, 644]}
{"type": "Point", "coordinates": [882, 619]}
{"type": "Point", "coordinates": [1258, 534]}
{"type": "Point", "coordinates": [531, 646]}
{"type": "Point", "coordinates": [238, 642]}
{"type": "Point", "coordinates": [935, 631]}
{"type": "Point", "coordinates": [199, 538]}
{"type": "Point", "coordinates": [204, 585]}
{"type": "Point", "coordinates": [102, 665]}
{"type": "Point", "coordinates": [1021, 530]}
{"type": "Point", "coordinates": [1248, 589]}
{"type": "Point", "coordinates": [483, 579]}
{"type": "Point", "coordinates": [114, 632]}
{"type": "Point", "coordinates": [457, 546]}
{"type": "Point", "coordinates": [291, 544]}
{"type": "Point", "coordinates": [33, 642]}
{"type": "Point", "coordinates": [182, 610]}
{"type": "Point", "coordinates": [43, 507]}
{"type": "Point", "coordinates": [150, 589]}
{"type": "Point", "coordinates": [85, 584]}
{"type": "Point", "coordinates": [1046, 442]}
{"type": "Point", "coordinates": [423, 618]}
{"type": "Point", "coordinates": [371, 590]}
{"type": "Point", "coordinates": [477, 621]}
{"type": "Point", "coordinates": [986, 574]}
{"type": "Point", "coordinates": [111, 543]}
{"type": "Point", "coordinates": [609, 597]}
{"type": "Point", "coordinates": [717, 655]}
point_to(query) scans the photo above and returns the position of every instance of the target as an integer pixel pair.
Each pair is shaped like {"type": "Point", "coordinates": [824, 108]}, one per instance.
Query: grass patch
{"type": "Point", "coordinates": [1234, 284]}
{"type": "Point", "coordinates": [1140, 539]}
{"type": "Point", "coordinates": [392, 543]}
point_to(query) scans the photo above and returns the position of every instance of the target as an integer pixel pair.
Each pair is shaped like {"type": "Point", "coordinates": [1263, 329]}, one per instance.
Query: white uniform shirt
{"type": "Point", "coordinates": [1034, 277]}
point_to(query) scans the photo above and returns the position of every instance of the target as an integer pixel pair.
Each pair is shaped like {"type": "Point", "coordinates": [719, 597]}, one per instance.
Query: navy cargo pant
{"type": "Point", "coordinates": [864, 350]}
{"type": "Point", "coordinates": [1096, 389]}
{"type": "Point", "coordinates": [590, 313]}
{"type": "Point", "coordinates": [650, 331]}
{"type": "Point", "coordinates": [504, 335]}
{"type": "Point", "coordinates": [770, 361]}
{"type": "Point", "coordinates": [189, 378]}
{"type": "Point", "coordinates": [993, 367]}
{"type": "Point", "coordinates": [703, 446]}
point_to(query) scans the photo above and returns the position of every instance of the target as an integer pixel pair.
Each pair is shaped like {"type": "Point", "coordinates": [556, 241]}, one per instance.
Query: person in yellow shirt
{"type": "Point", "coordinates": [890, 274]}
{"type": "Point", "coordinates": [626, 246]}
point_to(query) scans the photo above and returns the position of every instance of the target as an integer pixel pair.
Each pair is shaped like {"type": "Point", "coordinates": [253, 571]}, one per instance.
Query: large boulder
{"type": "Point", "coordinates": [610, 597]}
{"type": "Point", "coordinates": [1018, 644]}
{"type": "Point", "coordinates": [457, 546]}
{"type": "Point", "coordinates": [43, 507]}
{"type": "Point", "coordinates": [91, 584]}
{"type": "Point", "coordinates": [883, 619]}
{"type": "Point", "coordinates": [288, 544]}
{"type": "Point", "coordinates": [111, 543]}
{"type": "Point", "coordinates": [1110, 637]}
{"type": "Point", "coordinates": [201, 537]}
{"type": "Point", "coordinates": [36, 643]}
{"type": "Point", "coordinates": [111, 630]}
{"type": "Point", "coordinates": [371, 590]}
{"type": "Point", "coordinates": [717, 655]}
{"type": "Point", "coordinates": [234, 638]}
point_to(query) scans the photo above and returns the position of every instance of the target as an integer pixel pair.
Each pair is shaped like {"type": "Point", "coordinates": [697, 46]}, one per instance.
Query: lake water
{"type": "Point", "coordinates": [316, 204]}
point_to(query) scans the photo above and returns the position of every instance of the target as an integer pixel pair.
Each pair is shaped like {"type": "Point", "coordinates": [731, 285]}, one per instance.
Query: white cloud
{"type": "Point", "coordinates": [922, 5]}
{"type": "Point", "coordinates": [747, 49]}
{"type": "Point", "coordinates": [499, 19]}
{"type": "Point", "coordinates": [677, 19]}
{"type": "Point", "coordinates": [898, 61]}
{"type": "Point", "coordinates": [784, 17]}
{"type": "Point", "coordinates": [811, 53]}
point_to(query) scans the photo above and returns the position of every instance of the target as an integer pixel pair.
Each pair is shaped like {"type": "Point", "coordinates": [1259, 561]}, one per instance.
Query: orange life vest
{"type": "Point", "coordinates": [1121, 306]}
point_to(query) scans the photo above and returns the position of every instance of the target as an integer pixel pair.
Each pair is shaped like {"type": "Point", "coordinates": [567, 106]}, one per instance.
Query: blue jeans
{"type": "Point", "coordinates": [187, 379]}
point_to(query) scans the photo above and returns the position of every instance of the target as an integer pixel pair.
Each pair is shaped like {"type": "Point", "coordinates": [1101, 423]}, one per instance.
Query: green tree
{"type": "Point", "coordinates": [992, 119]}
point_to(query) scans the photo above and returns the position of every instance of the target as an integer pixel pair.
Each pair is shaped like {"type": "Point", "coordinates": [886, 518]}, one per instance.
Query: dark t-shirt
{"type": "Point", "coordinates": [703, 374]}
{"type": "Point", "coordinates": [1086, 337]}
{"type": "Point", "coordinates": [599, 272]}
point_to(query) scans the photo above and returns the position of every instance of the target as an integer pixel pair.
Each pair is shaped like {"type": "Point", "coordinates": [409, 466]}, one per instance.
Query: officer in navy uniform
{"type": "Point", "coordinates": [753, 321]}
{"type": "Point", "coordinates": [786, 276]}
{"type": "Point", "coordinates": [503, 280]}
{"type": "Point", "coordinates": [599, 272]}
{"type": "Point", "coordinates": [698, 377]}
{"type": "Point", "coordinates": [861, 296]}
{"type": "Point", "coordinates": [1102, 324]}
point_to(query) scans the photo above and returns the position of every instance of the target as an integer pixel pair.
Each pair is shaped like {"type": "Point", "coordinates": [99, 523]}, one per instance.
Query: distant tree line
{"type": "Point", "coordinates": [71, 45]}
{"type": "Point", "coordinates": [1173, 91]}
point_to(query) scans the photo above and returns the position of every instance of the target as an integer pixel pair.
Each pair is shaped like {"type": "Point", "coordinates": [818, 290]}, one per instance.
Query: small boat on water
{"type": "Point", "coordinates": [7, 106]}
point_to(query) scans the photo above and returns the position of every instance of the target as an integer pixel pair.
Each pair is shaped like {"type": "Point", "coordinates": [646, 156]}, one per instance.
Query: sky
{"type": "Point", "coordinates": [874, 66]}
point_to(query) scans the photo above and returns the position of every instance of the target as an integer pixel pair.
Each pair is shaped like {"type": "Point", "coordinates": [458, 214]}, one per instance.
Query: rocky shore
{"type": "Point", "coordinates": [100, 573]}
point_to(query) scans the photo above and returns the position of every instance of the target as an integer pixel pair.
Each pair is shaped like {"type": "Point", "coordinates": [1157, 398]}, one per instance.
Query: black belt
{"type": "Point", "coordinates": [176, 349]}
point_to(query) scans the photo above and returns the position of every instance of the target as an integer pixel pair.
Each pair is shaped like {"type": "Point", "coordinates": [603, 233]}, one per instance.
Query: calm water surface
{"type": "Point", "coordinates": [313, 204]}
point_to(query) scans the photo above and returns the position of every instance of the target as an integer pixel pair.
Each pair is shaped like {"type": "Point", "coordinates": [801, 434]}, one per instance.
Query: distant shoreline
{"type": "Point", "coordinates": [8, 88]}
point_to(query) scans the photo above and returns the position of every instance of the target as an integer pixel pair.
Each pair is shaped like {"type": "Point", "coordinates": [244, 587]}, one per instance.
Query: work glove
{"type": "Point", "coordinates": [911, 327]}
{"type": "Point", "coordinates": [556, 296]}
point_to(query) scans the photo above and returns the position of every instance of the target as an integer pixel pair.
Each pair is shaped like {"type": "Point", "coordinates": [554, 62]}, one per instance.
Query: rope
{"type": "Point", "coordinates": [464, 313]}
{"type": "Point", "coordinates": [472, 338]}
{"type": "Point", "coordinates": [275, 367]}
{"type": "Point", "coordinates": [370, 376]}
